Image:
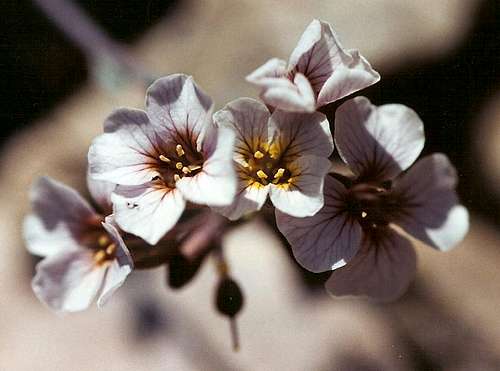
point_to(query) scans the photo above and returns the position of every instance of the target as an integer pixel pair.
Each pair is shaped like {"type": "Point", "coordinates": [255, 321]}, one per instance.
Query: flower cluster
{"type": "Point", "coordinates": [153, 172]}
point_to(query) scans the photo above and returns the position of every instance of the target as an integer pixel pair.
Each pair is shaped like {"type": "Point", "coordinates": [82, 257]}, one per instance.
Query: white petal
{"type": "Point", "coordinates": [281, 93]}
{"type": "Point", "coordinates": [299, 134]}
{"type": "Point", "coordinates": [430, 207]}
{"type": "Point", "coordinates": [147, 211]}
{"type": "Point", "coordinates": [272, 68]}
{"type": "Point", "coordinates": [101, 190]}
{"type": "Point", "coordinates": [115, 276]}
{"type": "Point", "coordinates": [122, 253]}
{"type": "Point", "coordinates": [127, 152]}
{"type": "Point", "coordinates": [381, 270]}
{"type": "Point", "coordinates": [179, 108]}
{"type": "Point", "coordinates": [332, 71]}
{"type": "Point", "coordinates": [303, 197]}
{"type": "Point", "coordinates": [69, 281]}
{"type": "Point", "coordinates": [60, 218]}
{"type": "Point", "coordinates": [248, 118]}
{"type": "Point", "coordinates": [248, 199]}
{"type": "Point", "coordinates": [327, 240]}
{"type": "Point", "coordinates": [215, 185]}
{"type": "Point", "coordinates": [377, 142]}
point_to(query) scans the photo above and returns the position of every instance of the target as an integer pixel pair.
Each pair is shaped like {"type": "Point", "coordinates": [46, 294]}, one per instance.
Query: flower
{"type": "Point", "coordinates": [161, 158]}
{"type": "Point", "coordinates": [320, 71]}
{"type": "Point", "coordinates": [84, 255]}
{"type": "Point", "coordinates": [353, 233]}
{"type": "Point", "coordinates": [283, 154]}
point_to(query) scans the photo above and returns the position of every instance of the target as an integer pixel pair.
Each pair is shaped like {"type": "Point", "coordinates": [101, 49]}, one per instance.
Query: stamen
{"type": "Point", "coordinates": [110, 250]}
{"type": "Point", "coordinates": [258, 154]}
{"type": "Point", "coordinates": [363, 214]}
{"type": "Point", "coordinates": [279, 173]}
{"type": "Point", "coordinates": [261, 174]}
{"type": "Point", "coordinates": [100, 256]}
{"type": "Point", "coordinates": [180, 150]}
{"type": "Point", "coordinates": [194, 167]}
{"type": "Point", "coordinates": [179, 165]}
{"type": "Point", "coordinates": [177, 177]}
{"type": "Point", "coordinates": [186, 170]}
{"type": "Point", "coordinates": [103, 240]}
{"type": "Point", "coordinates": [164, 159]}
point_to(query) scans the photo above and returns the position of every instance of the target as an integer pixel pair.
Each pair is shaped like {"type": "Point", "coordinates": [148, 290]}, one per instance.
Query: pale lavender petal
{"type": "Point", "coordinates": [179, 109]}
{"type": "Point", "coordinates": [215, 185]}
{"type": "Point", "coordinates": [281, 93]}
{"type": "Point", "coordinates": [101, 190]}
{"type": "Point", "coordinates": [248, 199]}
{"type": "Point", "coordinates": [429, 206]}
{"type": "Point", "coordinates": [248, 118]}
{"type": "Point", "coordinates": [127, 153]}
{"type": "Point", "coordinates": [272, 68]}
{"type": "Point", "coordinates": [69, 281]}
{"type": "Point", "coordinates": [147, 211]}
{"type": "Point", "coordinates": [60, 218]}
{"type": "Point", "coordinates": [304, 196]}
{"type": "Point", "coordinates": [382, 269]}
{"type": "Point", "coordinates": [298, 134]}
{"type": "Point", "coordinates": [115, 277]}
{"type": "Point", "coordinates": [332, 71]}
{"type": "Point", "coordinates": [327, 240]}
{"type": "Point", "coordinates": [377, 142]}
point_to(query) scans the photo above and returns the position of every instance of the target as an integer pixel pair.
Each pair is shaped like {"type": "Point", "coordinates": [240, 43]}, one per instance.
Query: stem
{"type": "Point", "coordinates": [235, 338]}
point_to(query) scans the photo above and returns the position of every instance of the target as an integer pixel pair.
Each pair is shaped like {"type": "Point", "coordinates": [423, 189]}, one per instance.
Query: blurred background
{"type": "Point", "coordinates": [439, 57]}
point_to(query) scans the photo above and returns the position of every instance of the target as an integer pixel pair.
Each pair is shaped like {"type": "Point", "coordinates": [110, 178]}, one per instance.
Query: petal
{"type": "Point", "coordinates": [115, 276]}
{"type": "Point", "coordinates": [180, 109]}
{"type": "Point", "coordinates": [332, 71]}
{"type": "Point", "coordinates": [430, 209]}
{"type": "Point", "coordinates": [122, 253]}
{"type": "Point", "coordinates": [298, 134]}
{"type": "Point", "coordinates": [248, 118]}
{"type": "Point", "coordinates": [147, 211]}
{"type": "Point", "coordinates": [377, 142]}
{"type": "Point", "coordinates": [303, 197]}
{"type": "Point", "coordinates": [215, 185]}
{"type": "Point", "coordinates": [381, 270]}
{"type": "Point", "coordinates": [248, 198]}
{"type": "Point", "coordinates": [272, 68]}
{"type": "Point", "coordinates": [101, 190]}
{"type": "Point", "coordinates": [60, 218]}
{"type": "Point", "coordinates": [281, 93]}
{"type": "Point", "coordinates": [69, 281]}
{"type": "Point", "coordinates": [327, 240]}
{"type": "Point", "coordinates": [127, 152]}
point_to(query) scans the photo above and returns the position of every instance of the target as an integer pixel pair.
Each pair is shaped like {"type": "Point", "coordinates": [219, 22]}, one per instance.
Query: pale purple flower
{"type": "Point", "coordinates": [283, 154]}
{"type": "Point", "coordinates": [84, 255]}
{"type": "Point", "coordinates": [319, 71]}
{"type": "Point", "coordinates": [353, 233]}
{"type": "Point", "coordinates": [164, 156]}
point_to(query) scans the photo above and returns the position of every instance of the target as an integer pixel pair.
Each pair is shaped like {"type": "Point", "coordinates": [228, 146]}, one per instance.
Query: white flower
{"type": "Point", "coordinates": [161, 158]}
{"type": "Point", "coordinates": [283, 154]}
{"type": "Point", "coordinates": [352, 234]}
{"type": "Point", "coordinates": [84, 255]}
{"type": "Point", "coordinates": [320, 71]}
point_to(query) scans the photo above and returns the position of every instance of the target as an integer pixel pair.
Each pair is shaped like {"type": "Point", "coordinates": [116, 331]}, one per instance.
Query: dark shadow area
{"type": "Point", "coordinates": [40, 67]}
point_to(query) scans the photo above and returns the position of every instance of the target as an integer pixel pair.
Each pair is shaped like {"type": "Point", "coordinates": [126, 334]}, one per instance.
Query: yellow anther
{"type": "Point", "coordinates": [164, 158]}
{"type": "Point", "coordinates": [261, 174]}
{"type": "Point", "coordinates": [177, 177]}
{"type": "Point", "coordinates": [180, 150]}
{"type": "Point", "coordinates": [291, 180]}
{"type": "Point", "coordinates": [194, 167]}
{"type": "Point", "coordinates": [179, 165]}
{"type": "Point", "coordinates": [279, 173]}
{"type": "Point", "coordinates": [363, 214]}
{"type": "Point", "coordinates": [110, 250]}
{"type": "Point", "coordinates": [103, 240]}
{"type": "Point", "coordinates": [186, 170]}
{"type": "Point", "coordinates": [100, 256]}
{"type": "Point", "coordinates": [258, 154]}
